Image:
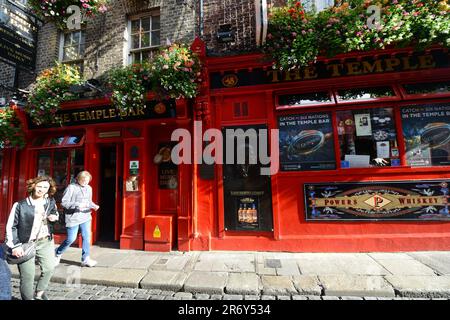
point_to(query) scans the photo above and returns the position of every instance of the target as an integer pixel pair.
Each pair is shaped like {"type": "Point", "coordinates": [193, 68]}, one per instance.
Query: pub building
{"type": "Point", "coordinates": [363, 149]}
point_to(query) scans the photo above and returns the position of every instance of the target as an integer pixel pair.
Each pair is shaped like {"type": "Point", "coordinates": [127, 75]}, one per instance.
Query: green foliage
{"type": "Point", "coordinates": [51, 10]}
{"type": "Point", "coordinates": [11, 132]}
{"type": "Point", "coordinates": [50, 89]}
{"type": "Point", "coordinates": [296, 38]}
{"type": "Point", "coordinates": [173, 73]}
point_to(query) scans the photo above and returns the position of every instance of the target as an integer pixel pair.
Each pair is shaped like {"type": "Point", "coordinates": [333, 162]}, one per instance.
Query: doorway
{"type": "Point", "coordinates": [109, 195]}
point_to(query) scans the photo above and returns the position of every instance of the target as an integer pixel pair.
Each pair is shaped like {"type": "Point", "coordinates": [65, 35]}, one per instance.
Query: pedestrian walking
{"type": "Point", "coordinates": [5, 278]}
{"type": "Point", "coordinates": [77, 202]}
{"type": "Point", "coordinates": [29, 222]}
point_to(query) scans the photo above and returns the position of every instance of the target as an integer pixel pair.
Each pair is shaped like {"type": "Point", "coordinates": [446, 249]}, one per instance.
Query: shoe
{"type": "Point", "coordinates": [88, 262]}
{"type": "Point", "coordinates": [42, 297]}
{"type": "Point", "coordinates": [57, 259]}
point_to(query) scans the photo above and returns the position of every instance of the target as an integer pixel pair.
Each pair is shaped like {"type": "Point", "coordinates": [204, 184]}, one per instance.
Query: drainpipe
{"type": "Point", "coordinates": [200, 18]}
{"type": "Point", "coordinates": [261, 21]}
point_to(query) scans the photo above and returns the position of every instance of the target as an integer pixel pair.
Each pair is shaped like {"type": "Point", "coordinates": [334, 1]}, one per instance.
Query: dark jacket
{"type": "Point", "coordinates": [21, 218]}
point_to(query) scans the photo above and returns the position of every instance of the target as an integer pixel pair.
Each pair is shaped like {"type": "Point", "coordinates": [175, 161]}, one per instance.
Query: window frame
{"type": "Point", "coordinates": [64, 144]}
{"type": "Point", "coordinates": [79, 60]}
{"type": "Point", "coordinates": [130, 52]}
{"type": "Point", "coordinates": [280, 107]}
{"type": "Point", "coordinates": [406, 95]}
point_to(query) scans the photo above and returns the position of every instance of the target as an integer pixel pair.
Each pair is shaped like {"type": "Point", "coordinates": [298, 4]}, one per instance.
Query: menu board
{"type": "Point", "coordinates": [426, 129]}
{"type": "Point", "coordinates": [306, 142]}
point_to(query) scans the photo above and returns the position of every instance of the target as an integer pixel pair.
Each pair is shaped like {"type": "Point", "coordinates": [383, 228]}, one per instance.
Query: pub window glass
{"type": "Point", "coordinates": [367, 137]}
{"type": "Point", "coordinates": [304, 99]}
{"type": "Point", "coordinates": [44, 163]}
{"type": "Point", "coordinates": [60, 172]}
{"type": "Point", "coordinates": [427, 88]}
{"type": "Point", "coordinates": [365, 93]}
{"type": "Point", "coordinates": [76, 163]}
{"type": "Point", "coordinates": [426, 130]}
{"type": "Point", "coordinates": [56, 141]}
{"type": "Point", "coordinates": [74, 139]}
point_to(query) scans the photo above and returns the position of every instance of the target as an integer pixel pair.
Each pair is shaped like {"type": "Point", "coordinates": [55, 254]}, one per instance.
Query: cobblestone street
{"type": "Point", "coordinates": [57, 291]}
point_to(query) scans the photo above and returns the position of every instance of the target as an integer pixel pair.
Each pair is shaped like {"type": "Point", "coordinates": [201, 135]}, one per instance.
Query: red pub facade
{"type": "Point", "coordinates": [364, 158]}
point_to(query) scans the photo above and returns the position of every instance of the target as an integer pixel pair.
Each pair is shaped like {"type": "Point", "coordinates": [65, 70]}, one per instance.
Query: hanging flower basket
{"type": "Point", "coordinates": [50, 89]}
{"type": "Point", "coordinates": [11, 131]}
{"type": "Point", "coordinates": [296, 38]}
{"type": "Point", "coordinates": [173, 73]}
{"type": "Point", "coordinates": [56, 10]}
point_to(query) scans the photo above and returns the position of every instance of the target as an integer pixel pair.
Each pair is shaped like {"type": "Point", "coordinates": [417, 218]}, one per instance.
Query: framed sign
{"type": "Point", "coordinates": [167, 170]}
{"type": "Point", "coordinates": [384, 200]}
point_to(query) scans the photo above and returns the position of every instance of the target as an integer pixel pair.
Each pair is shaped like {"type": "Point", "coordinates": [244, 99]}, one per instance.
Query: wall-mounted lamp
{"type": "Point", "coordinates": [224, 34]}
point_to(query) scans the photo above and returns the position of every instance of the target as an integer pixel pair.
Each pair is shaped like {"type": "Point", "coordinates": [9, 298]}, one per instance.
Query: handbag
{"type": "Point", "coordinates": [29, 251]}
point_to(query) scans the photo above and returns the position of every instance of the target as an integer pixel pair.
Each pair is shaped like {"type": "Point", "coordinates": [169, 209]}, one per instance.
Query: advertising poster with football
{"type": "Point", "coordinates": [426, 129]}
{"type": "Point", "coordinates": [306, 142]}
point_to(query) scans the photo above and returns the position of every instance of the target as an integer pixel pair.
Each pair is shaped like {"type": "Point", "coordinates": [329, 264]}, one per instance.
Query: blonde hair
{"type": "Point", "coordinates": [84, 174]}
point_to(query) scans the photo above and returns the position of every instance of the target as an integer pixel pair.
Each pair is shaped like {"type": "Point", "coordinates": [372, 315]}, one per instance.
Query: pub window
{"type": "Point", "coordinates": [364, 94]}
{"type": "Point", "coordinates": [304, 99]}
{"type": "Point", "coordinates": [144, 37]}
{"type": "Point", "coordinates": [72, 48]}
{"type": "Point", "coordinates": [43, 142]}
{"type": "Point", "coordinates": [427, 88]}
{"type": "Point", "coordinates": [62, 165]}
{"type": "Point", "coordinates": [426, 129]}
{"type": "Point", "coordinates": [367, 138]}
{"type": "Point", "coordinates": [306, 142]}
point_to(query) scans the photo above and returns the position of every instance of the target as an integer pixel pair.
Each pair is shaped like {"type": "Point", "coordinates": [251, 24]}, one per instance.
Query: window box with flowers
{"type": "Point", "coordinates": [56, 11]}
{"type": "Point", "coordinates": [297, 38]}
{"type": "Point", "coordinates": [11, 131]}
{"type": "Point", "coordinates": [173, 73]}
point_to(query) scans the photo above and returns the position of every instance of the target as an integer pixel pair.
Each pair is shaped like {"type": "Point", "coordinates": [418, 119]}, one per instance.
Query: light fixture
{"type": "Point", "coordinates": [224, 34]}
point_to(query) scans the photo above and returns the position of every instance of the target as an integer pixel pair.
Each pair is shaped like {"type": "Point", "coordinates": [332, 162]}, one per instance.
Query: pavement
{"type": "Point", "coordinates": [237, 275]}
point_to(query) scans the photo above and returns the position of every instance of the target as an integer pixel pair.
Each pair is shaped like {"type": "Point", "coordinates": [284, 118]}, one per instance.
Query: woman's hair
{"type": "Point", "coordinates": [31, 184]}
{"type": "Point", "coordinates": [84, 174]}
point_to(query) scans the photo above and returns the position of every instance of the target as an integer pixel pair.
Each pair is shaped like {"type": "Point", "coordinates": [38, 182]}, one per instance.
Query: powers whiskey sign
{"type": "Point", "coordinates": [421, 200]}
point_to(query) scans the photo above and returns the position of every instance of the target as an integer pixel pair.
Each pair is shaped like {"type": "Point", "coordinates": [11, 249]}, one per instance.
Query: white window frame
{"type": "Point", "coordinates": [131, 51]}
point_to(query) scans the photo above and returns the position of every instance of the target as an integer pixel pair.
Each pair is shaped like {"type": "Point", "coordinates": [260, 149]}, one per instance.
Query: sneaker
{"type": "Point", "coordinates": [42, 297]}
{"type": "Point", "coordinates": [57, 259]}
{"type": "Point", "coordinates": [88, 262]}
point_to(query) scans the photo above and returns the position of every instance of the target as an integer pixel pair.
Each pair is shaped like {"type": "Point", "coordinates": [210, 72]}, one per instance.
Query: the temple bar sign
{"type": "Point", "coordinates": [420, 200]}
{"type": "Point", "coordinates": [101, 114]}
{"type": "Point", "coordinates": [321, 70]}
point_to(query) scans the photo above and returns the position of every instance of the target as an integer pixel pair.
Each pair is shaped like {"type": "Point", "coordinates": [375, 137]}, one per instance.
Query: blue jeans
{"type": "Point", "coordinates": [5, 279]}
{"type": "Point", "coordinates": [72, 236]}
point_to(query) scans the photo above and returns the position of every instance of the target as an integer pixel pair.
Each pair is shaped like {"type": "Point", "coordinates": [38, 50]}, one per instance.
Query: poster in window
{"type": "Point", "coordinates": [426, 129]}
{"type": "Point", "coordinates": [167, 170]}
{"type": "Point", "coordinates": [306, 142]}
{"type": "Point", "coordinates": [383, 149]}
{"type": "Point", "coordinates": [363, 126]}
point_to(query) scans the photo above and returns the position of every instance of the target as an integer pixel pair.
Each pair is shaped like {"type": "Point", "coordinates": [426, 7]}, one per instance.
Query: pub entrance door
{"type": "Point", "coordinates": [110, 193]}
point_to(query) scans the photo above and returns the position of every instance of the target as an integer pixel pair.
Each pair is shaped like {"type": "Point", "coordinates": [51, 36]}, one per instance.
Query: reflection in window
{"type": "Point", "coordinates": [44, 161]}
{"type": "Point", "coordinates": [57, 141]}
{"type": "Point", "coordinates": [76, 163]}
{"type": "Point", "coordinates": [304, 99]}
{"type": "Point", "coordinates": [427, 88]}
{"type": "Point", "coordinates": [74, 139]}
{"type": "Point", "coordinates": [39, 141]}
{"type": "Point", "coordinates": [365, 93]}
{"type": "Point", "coordinates": [427, 135]}
{"type": "Point", "coordinates": [367, 138]}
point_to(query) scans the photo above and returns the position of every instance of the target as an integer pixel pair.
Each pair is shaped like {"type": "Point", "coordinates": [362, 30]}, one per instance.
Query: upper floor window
{"type": "Point", "coordinates": [72, 48]}
{"type": "Point", "coordinates": [144, 36]}
{"type": "Point", "coordinates": [317, 5]}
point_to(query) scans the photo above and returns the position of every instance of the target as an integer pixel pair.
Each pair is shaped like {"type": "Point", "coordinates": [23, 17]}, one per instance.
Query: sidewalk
{"type": "Point", "coordinates": [262, 274]}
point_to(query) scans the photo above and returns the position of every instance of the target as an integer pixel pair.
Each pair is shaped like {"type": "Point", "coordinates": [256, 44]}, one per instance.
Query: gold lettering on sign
{"type": "Point", "coordinates": [292, 75]}
{"type": "Point", "coordinates": [391, 63]}
{"type": "Point", "coordinates": [274, 75]}
{"type": "Point", "coordinates": [336, 68]}
{"type": "Point", "coordinates": [353, 68]}
{"type": "Point", "coordinates": [311, 73]}
{"type": "Point", "coordinates": [372, 68]}
{"type": "Point", "coordinates": [426, 62]}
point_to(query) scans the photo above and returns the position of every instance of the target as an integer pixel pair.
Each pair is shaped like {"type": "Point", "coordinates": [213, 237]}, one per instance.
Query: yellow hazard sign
{"type": "Point", "coordinates": [156, 232]}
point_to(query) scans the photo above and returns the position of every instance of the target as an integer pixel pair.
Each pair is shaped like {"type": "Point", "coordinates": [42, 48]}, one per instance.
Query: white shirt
{"type": "Point", "coordinates": [40, 219]}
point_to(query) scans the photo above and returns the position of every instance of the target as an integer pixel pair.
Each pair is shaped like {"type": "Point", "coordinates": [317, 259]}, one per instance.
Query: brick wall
{"type": "Point", "coordinates": [242, 17]}
{"type": "Point", "coordinates": [106, 40]}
